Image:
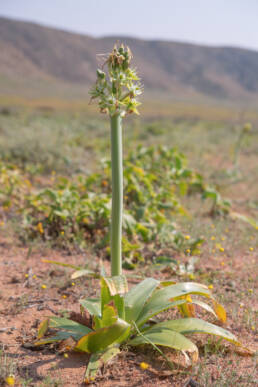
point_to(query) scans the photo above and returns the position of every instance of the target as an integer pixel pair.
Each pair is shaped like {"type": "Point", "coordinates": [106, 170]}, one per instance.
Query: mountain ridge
{"type": "Point", "coordinates": [34, 51]}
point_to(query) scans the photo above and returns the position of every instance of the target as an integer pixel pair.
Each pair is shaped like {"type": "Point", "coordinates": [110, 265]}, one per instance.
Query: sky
{"type": "Point", "coordinates": [210, 22]}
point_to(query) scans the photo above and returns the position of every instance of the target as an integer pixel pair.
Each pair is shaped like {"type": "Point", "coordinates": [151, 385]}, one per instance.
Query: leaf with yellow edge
{"type": "Point", "coordinates": [109, 317]}
{"type": "Point", "coordinates": [102, 338]}
{"type": "Point", "coordinates": [61, 264]}
{"type": "Point", "coordinates": [194, 325]}
{"type": "Point", "coordinates": [43, 327]}
{"type": "Point", "coordinates": [220, 311]}
{"type": "Point", "coordinates": [187, 310]}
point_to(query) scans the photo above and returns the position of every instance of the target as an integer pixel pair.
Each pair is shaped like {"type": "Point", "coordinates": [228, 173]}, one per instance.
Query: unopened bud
{"type": "Point", "coordinates": [100, 74]}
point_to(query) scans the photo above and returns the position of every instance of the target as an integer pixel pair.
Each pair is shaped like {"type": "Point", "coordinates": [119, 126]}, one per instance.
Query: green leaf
{"type": "Point", "coordinates": [111, 290]}
{"type": "Point", "coordinates": [108, 318]}
{"type": "Point", "coordinates": [137, 296]}
{"type": "Point", "coordinates": [105, 297]}
{"type": "Point", "coordinates": [195, 325]}
{"type": "Point", "coordinates": [166, 337]}
{"type": "Point", "coordinates": [60, 336]}
{"type": "Point", "coordinates": [92, 305]}
{"type": "Point", "coordinates": [68, 325]}
{"type": "Point", "coordinates": [97, 360]}
{"type": "Point", "coordinates": [102, 338]}
{"type": "Point", "coordinates": [120, 305]}
{"type": "Point", "coordinates": [165, 298]}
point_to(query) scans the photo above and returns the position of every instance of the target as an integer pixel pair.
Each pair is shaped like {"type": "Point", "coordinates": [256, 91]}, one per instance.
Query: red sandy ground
{"type": "Point", "coordinates": [24, 304]}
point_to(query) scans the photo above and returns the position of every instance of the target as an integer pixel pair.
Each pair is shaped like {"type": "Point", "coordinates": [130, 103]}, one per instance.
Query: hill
{"type": "Point", "coordinates": [32, 53]}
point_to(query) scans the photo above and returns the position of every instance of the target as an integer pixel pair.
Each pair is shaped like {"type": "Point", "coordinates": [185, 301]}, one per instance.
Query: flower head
{"type": "Point", "coordinates": [118, 88]}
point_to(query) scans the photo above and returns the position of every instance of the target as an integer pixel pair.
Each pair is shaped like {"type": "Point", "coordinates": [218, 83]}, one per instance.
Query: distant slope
{"type": "Point", "coordinates": [29, 51]}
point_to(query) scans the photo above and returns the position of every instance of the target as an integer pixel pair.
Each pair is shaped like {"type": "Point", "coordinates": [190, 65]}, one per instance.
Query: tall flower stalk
{"type": "Point", "coordinates": [117, 91]}
{"type": "Point", "coordinates": [118, 315]}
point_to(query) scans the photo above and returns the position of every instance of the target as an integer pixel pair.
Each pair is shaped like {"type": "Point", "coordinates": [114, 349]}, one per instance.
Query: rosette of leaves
{"type": "Point", "coordinates": [121, 317]}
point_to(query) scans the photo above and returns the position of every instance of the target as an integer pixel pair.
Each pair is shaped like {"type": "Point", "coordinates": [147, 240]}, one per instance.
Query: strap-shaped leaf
{"type": "Point", "coordinates": [92, 305]}
{"type": "Point", "coordinates": [68, 325]}
{"type": "Point", "coordinates": [205, 306]}
{"type": "Point", "coordinates": [166, 337]}
{"type": "Point", "coordinates": [68, 328]}
{"type": "Point", "coordinates": [60, 336]}
{"type": "Point", "coordinates": [112, 289]}
{"type": "Point", "coordinates": [102, 338]}
{"type": "Point", "coordinates": [97, 360]}
{"type": "Point", "coordinates": [220, 311]}
{"type": "Point", "coordinates": [164, 299]}
{"type": "Point", "coordinates": [117, 284]}
{"type": "Point", "coordinates": [61, 264]}
{"type": "Point", "coordinates": [137, 297]}
{"type": "Point", "coordinates": [84, 272]}
{"type": "Point", "coordinates": [246, 219]}
{"type": "Point", "coordinates": [195, 325]}
{"type": "Point", "coordinates": [43, 327]}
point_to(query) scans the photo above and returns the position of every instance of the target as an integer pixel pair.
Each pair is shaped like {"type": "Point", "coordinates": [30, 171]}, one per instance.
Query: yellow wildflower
{"type": "Point", "coordinates": [10, 380]}
{"type": "Point", "coordinates": [43, 286]}
{"type": "Point", "coordinates": [251, 248]}
{"type": "Point", "coordinates": [26, 275]}
{"type": "Point", "coordinates": [221, 249]}
{"type": "Point", "coordinates": [213, 238]}
{"type": "Point", "coordinates": [72, 283]}
{"type": "Point", "coordinates": [187, 237]}
{"type": "Point", "coordinates": [210, 286]}
{"type": "Point", "coordinates": [188, 251]}
{"type": "Point", "coordinates": [64, 296]}
{"type": "Point", "coordinates": [40, 228]}
{"type": "Point", "coordinates": [66, 355]}
{"type": "Point", "coordinates": [144, 365]}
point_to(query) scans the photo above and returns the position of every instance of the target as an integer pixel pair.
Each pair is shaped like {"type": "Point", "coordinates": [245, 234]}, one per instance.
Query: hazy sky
{"type": "Point", "coordinates": [216, 22]}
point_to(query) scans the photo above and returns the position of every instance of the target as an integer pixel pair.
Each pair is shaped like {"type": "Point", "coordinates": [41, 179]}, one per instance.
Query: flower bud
{"type": "Point", "coordinates": [101, 74]}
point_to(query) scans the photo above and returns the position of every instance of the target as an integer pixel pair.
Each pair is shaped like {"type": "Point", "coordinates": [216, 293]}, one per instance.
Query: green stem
{"type": "Point", "coordinates": [117, 194]}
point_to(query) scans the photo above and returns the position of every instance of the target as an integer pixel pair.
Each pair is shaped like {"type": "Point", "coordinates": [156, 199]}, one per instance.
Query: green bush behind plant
{"type": "Point", "coordinates": [77, 210]}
